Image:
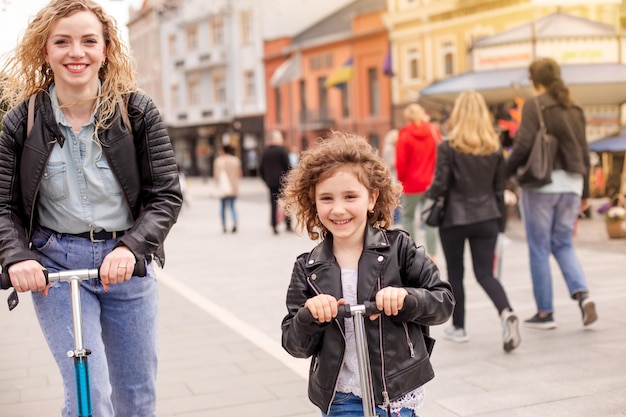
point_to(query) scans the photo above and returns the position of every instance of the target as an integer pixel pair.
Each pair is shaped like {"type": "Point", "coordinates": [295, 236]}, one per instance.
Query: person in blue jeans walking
{"type": "Point", "coordinates": [549, 212]}
{"type": "Point", "coordinates": [229, 165]}
{"type": "Point", "coordinates": [87, 189]}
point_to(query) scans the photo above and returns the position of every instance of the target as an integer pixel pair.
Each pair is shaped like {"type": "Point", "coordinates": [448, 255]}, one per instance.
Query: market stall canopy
{"type": "Point", "coordinates": [588, 84]}
{"type": "Point", "coordinates": [613, 143]}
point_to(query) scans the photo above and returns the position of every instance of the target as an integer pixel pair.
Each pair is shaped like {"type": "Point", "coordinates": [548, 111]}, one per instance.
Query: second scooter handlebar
{"type": "Point", "coordinates": [367, 308]}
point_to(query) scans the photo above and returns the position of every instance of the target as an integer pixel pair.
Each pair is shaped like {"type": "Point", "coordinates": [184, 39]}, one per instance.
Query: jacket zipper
{"type": "Point", "coordinates": [32, 207]}
{"type": "Point", "coordinates": [408, 340]}
{"type": "Point", "coordinates": [316, 359]}
{"type": "Point", "coordinates": [382, 356]}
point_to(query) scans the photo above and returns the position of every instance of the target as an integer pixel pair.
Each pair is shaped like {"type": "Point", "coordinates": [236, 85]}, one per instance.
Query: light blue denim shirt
{"type": "Point", "coordinates": [79, 192]}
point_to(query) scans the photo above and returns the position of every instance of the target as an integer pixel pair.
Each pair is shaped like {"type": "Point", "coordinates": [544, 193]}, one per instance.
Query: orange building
{"type": "Point", "coordinates": [331, 76]}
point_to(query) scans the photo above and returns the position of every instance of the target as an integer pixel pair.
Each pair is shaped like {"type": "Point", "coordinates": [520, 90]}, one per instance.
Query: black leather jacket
{"type": "Point", "coordinates": [473, 186]}
{"type": "Point", "coordinates": [397, 350]}
{"type": "Point", "coordinates": [144, 166]}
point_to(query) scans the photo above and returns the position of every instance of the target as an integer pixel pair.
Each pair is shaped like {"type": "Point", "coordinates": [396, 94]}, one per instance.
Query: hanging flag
{"type": "Point", "coordinates": [342, 75]}
{"type": "Point", "coordinates": [288, 71]}
{"type": "Point", "coordinates": [387, 69]}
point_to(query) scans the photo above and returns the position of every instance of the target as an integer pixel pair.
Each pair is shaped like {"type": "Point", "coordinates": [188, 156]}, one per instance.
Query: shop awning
{"type": "Point", "coordinates": [613, 143]}
{"type": "Point", "coordinates": [588, 84]}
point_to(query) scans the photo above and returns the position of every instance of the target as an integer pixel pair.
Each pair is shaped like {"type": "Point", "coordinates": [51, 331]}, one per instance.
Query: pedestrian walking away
{"type": "Point", "coordinates": [227, 168]}
{"type": "Point", "coordinates": [550, 212]}
{"type": "Point", "coordinates": [470, 174]}
{"type": "Point", "coordinates": [273, 166]}
{"type": "Point", "coordinates": [341, 193]}
{"type": "Point", "coordinates": [94, 184]}
{"type": "Point", "coordinates": [416, 153]}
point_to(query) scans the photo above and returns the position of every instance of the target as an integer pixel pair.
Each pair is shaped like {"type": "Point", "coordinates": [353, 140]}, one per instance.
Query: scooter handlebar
{"type": "Point", "coordinates": [367, 308]}
{"type": "Point", "coordinates": [82, 274]}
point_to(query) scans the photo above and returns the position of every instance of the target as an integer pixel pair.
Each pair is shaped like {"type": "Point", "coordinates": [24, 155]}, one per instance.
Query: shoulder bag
{"type": "Point", "coordinates": [537, 171]}
{"type": "Point", "coordinates": [434, 209]}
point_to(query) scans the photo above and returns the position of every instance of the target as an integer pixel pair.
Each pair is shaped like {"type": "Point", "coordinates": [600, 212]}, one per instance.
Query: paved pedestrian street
{"type": "Point", "coordinates": [222, 302]}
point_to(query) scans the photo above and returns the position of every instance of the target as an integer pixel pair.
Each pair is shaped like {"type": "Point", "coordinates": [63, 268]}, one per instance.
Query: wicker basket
{"type": "Point", "coordinates": [616, 228]}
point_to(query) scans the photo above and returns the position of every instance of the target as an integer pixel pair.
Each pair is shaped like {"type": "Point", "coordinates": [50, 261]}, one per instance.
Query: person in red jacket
{"type": "Point", "coordinates": [416, 154]}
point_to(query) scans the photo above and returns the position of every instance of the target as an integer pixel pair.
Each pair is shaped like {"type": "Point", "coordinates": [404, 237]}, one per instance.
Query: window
{"type": "Point", "coordinates": [219, 89]}
{"type": "Point", "coordinates": [192, 38]}
{"type": "Point", "coordinates": [193, 92]}
{"type": "Point", "coordinates": [322, 92]}
{"type": "Point", "coordinates": [217, 31]}
{"type": "Point", "coordinates": [345, 101]}
{"type": "Point", "coordinates": [374, 93]}
{"type": "Point", "coordinates": [174, 96]}
{"type": "Point", "coordinates": [279, 105]}
{"type": "Point", "coordinates": [374, 140]}
{"type": "Point", "coordinates": [249, 85]}
{"type": "Point", "coordinates": [171, 44]}
{"type": "Point", "coordinates": [302, 88]}
{"type": "Point", "coordinates": [447, 56]}
{"type": "Point", "coordinates": [246, 27]}
{"type": "Point", "coordinates": [319, 62]}
{"type": "Point", "coordinates": [413, 57]}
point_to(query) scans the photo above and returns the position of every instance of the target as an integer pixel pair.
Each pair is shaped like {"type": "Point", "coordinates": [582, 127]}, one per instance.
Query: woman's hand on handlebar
{"type": "Point", "coordinates": [28, 276]}
{"type": "Point", "coordinates": [117, 267]}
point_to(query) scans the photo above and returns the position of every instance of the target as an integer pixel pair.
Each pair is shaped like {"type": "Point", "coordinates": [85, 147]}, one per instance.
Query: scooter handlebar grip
{"type": "Point", "coordinates": [5, 279]}
{"type": "Point", "coordinates": [140, 269]}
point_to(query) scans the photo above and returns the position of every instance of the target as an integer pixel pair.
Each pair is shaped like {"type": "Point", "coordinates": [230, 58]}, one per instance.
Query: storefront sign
{"type": "Point", "coordinates": [583, 51]}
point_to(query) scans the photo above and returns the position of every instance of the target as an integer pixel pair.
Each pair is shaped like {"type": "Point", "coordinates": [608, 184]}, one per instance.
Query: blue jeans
{"type": "Point", "coordinates": [349, 405]}
{"type": "Point", "coordinates": [230, 203]}
{"type": "Point", "coordinates": [121, 320]}
{"type": "Point", "coordinates": [549, 220]}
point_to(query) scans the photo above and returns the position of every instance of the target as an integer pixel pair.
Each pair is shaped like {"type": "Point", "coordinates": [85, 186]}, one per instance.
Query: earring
{"type": "Point", "coordinates": [103, 63]}
{"type": "Point", "coordinates": [48, 70]}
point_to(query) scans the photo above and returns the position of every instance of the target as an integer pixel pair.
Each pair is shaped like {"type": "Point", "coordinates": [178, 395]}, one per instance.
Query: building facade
{"type": "Point", "coordinates": [211, 74]}
{"type": "Point", "coordinates": [433, 40]}
{"type": "Point", "coordinates": [330, 76]}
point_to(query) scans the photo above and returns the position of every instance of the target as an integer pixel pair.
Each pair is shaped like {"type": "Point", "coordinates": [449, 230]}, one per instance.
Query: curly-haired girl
{"type": "Point", "coordinates": [341, 192]}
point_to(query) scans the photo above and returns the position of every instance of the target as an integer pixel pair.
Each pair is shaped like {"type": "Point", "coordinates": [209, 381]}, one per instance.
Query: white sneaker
{"type": "Point", "coordinates": [510, 331]}
{"type": "Point", "coordinates": [456, 335]}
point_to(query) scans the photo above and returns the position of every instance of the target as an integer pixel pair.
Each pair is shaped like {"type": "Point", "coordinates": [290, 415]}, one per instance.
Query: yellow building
{"type": "Point", "coordinates": [436, 40]}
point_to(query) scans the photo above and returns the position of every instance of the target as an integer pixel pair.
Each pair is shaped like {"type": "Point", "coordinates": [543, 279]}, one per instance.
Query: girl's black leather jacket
{"type": "Point", "coordinates": [143, 164]}
{"type": "Point", "coordinates": [397, 348]}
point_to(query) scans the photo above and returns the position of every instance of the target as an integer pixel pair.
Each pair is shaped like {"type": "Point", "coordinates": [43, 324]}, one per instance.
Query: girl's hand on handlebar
{"type": "Point", "coordinates": [323, 307]}
{"type": "Point", "coordinates": [117, 267]}
{"type": "Point", "coordinates": [390, 300]}
{"type": "Point", "coordinates": [28, 276]}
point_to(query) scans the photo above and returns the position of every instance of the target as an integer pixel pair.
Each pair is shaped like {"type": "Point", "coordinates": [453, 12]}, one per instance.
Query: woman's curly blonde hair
{"type": "Point", "coordinates": [25, 71]}
{"type": "Point", "coordinates": [338, 151]}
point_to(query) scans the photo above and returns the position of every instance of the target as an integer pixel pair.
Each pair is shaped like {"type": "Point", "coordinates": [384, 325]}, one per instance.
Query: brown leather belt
{"type": "Point", "coordinates": [100, 236]}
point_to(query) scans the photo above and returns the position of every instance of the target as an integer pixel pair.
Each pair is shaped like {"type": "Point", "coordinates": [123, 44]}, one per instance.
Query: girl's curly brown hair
{"type": "Point", "coordinates": [338, 151]}
{"type": "Point", "coordinates": [25, 73]}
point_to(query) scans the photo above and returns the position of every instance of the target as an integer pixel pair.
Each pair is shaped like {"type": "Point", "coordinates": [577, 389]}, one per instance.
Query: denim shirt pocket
{"type": "Point", "coordinates": [54, 185]}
